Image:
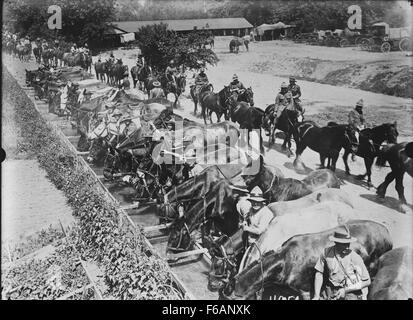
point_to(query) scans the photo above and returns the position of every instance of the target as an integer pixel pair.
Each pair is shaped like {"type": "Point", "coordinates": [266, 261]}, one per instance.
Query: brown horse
{"type": "Point", "coordinates": [400, 158]}
{"type": "Point", "coordinates": [277, 188]}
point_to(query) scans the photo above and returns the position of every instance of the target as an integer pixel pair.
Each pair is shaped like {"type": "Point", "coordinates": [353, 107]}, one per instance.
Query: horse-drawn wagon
{"type": "Point", "coordinates": [381, 37]}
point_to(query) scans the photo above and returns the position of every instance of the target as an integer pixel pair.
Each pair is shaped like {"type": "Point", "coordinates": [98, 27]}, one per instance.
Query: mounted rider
{"type": "Point", "coordinates": [74, 49]}
{"type": "Point", "coordinates": [357, 121]}
{"type": "Point", "coordinates": [111, 59]}
{"type": "Point", "coordinates": [282, 100]}
{"type": "Point", "coordinates": [253, 224]}
{"type": "Point", "coordinates": [171, 72]}
{"type": "Point", "coordinates": [356, 117]}
{"type": "Point", "coordinates": [236, 86]}
{"type": "Point", "coordinates": [200, 80]}
{"type": "Point", "coordinates": [157, 91]}
{"type": "Point", "coordinates": [294, 89]}
{"type": "Point", "coordinates": [140, 62]}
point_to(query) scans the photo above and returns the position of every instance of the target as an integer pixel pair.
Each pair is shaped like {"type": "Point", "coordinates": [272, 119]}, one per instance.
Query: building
{"type": "Point", "coordinates": [218, 26]}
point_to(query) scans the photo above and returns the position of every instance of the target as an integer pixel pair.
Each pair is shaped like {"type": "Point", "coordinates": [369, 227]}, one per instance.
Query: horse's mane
{"type": "Point", "coordinates": [289, 189]}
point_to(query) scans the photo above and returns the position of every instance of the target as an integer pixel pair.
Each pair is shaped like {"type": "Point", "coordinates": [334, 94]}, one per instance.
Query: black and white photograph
{"type": "Point", "coordinates": [214, 150]}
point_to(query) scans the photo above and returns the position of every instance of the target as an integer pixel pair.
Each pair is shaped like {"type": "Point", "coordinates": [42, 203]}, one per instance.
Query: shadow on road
{"type": "Point", "coordinates": [389, 202]}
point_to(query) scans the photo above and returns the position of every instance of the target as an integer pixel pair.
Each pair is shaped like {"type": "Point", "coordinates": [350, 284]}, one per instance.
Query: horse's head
{"type": "Point", "coordinates": [252, 180]}
{"type": "Point", "coordinates": [351, 138]}
{"type": "Point", "coordinates": [179, 237]}
{"type": "Point", "coordinates": [390, 132]}
{"type": "Point", "coordinates": [223, 265]}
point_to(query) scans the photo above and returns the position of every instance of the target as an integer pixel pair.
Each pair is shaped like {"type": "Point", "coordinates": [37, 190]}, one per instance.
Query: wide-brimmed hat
{"type": "Point", "coordinates": [342, 236]}
{"type": "Point", "coordinates": [126, 119]}
{"type": "Point", "coordinates": [360, 103]}
{"type": "Point", "coordinates": [256, 195]}
{"type": "Point", "coordinates": [284, 85]}
{"type": "Point", "coordinates": [234, 77]}
{"type": "Point", "coordinates": [156, 84]}
{"type": "Point", "coordinates": [292, 79]}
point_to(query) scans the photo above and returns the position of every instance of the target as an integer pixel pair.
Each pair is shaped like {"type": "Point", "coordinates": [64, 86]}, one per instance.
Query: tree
{"type": "Point", "coordinates": [82, 21]}
{"type": "Point", "coordinates": [160, 45]}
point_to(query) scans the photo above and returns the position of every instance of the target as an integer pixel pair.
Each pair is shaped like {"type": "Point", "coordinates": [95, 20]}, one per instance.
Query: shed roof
{"type": "Point", "coordinates": [186, 24]}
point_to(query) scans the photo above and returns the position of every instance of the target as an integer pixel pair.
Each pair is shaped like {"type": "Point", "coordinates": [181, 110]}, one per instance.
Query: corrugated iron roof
{"type": "Point", "coordinates": [187, 24]}
{"type": "Point", "coordinates": [114, 30]}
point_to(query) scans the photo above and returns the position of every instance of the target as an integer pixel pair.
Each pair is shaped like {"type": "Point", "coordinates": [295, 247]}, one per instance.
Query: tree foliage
{"type": "Point", "coordinates": [160, 45]}
{"type": "Point", "coordinates": [82, 21]}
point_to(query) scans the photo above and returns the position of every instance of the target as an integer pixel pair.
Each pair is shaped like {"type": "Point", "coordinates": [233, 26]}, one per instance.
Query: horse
{"type": "Point", "coordinates": [234, 45]}
{"type": "Point", "coordinates": [292, 264]}
{"type": "Point", "coordinates": [140, 75]}
{"type": "Point", "coordinates": [226, 252]}
{"type": "Point", "coordinates": [400, 158]}
{"type": "Point", "coordinates": [287, 122]}
{"type": "Point", "coordinates": [119, 71]}
{"type": "Point", "coordinates": [204, 211]}
{"type": "Point", "coordinates": [23, 52]}
{"type": "Point", "coordinates": [216, 102]}
{"type": "Point", "coordinates": [327, 141]}
{"type": "Point", "coordinates": [100, 70]}
{"type": "Point", "coordinates": [379, 134]}
{"type": "Point", "coordinates": [177, 87]}
{"type": "Point", "coordinates": [277, 188]}
{"type": "Point", "coordinates": [203, 91]}
{"type": "Point", "coordinates": [195, 187]}
{"type": "Point", "coordinates": [37, 51]}
{"type": "Point", "coordinates": [394, 277]}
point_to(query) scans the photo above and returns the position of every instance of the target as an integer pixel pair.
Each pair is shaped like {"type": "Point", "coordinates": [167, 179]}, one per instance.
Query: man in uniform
{"type": "Point", "coordinates": [294, 89]}
{"type": "Point", "coordinates": [170, 72]}
{"type": "Point", "coordinates": [346, 274]}
{"type": "Point", "coordinates": [200, 80]}
{"type": "Point", "coordinates": [356, 117]}
{"type": "Point", "coordinates": [282, 100]}
{"type": "Point", "coordinates": [253, 224]}
{"type": "Point", "coordinates": [157, 91]}
{"type": "Point", "coordinates": [357, 121]}
{"type": "Point", "coordinates": [236, 85]}
{"type": "Point", "coordinates": [111, 58]}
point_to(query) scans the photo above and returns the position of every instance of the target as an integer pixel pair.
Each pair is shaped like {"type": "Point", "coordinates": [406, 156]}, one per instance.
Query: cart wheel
{"type": "Point", "coordinates": [364, 44]}
{"type": "Point", "coordinates": [344, 43]}
{"type": "Point", "coordinates": [405, 45]}
{"type": "Point", "coordinates": [385, 47]}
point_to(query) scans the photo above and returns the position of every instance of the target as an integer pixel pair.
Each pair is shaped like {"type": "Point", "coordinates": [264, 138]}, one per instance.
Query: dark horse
{"type": "Point", "coordinates": [277, 188]}
{"type": "Point", "coordinates": [100, 70]}
{"type": "Point", "coordinates": [140, 75]}
{"type": "Point", "coordinates": [216, 102]}
{"type": "Point", "coordinates": [400, 158]}
{"type": "Point", "coordinates": [207, 210]}
{"type": "Point", "coordinates": [234, 45]}
{"type": "Point", "coordinates": [327, 141]}
{"type": "Point", "coordinates": [203, 91]}
{"type": "Point", "coordinates": [177, 87]}
{"type": "Point", "coordinates": [385, 132]}
{"type": "Point", "coordinates": [287, 122]}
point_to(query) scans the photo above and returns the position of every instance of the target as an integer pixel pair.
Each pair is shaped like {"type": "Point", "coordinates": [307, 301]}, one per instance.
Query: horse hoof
{"type": "Point", "coordinates": [347, 173]}
{"type": "Point", "coordinates": [360, 177]}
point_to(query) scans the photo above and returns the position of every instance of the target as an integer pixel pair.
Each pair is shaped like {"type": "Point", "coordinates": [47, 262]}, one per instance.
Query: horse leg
{"type": "Point", "coordinates": [399, 186]}
{"type": "Point", "coordinates": [300, 149]}
{"type": "Point", "coordinates": [345, 157]}
{"type": "Point", "coordinates": [323, 160]}
{"type": "Point", "coordinates": [334, 158]}
{"type": "Point", "coordinates": [368, 162]}
{"type": "Point", "coordinates": [381, 190]}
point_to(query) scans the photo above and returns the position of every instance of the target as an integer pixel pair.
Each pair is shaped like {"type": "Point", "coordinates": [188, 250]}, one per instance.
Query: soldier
{"type": "Point", "coordinates": [170, 72]}
{"type": "Point", "coordinates": [236, 85]}
{"type": "Point", "coordinates": [253, 225]}
{"type": "Point", "coordinates": [357, 121]}
{"type": "Point", "coordinates": [355, 116]}
{"type": "Point", "coordinates": [294, 88]}
{"type": "Point", "coordinates": [111, 58]}
{"type": "Point", "coordinates": [282, 100]}
{"type": "Point", "coordinates": [157, 91]}
{"type": "Point", "coordinates": [343, 269]}
{"type": "Point", "coordinates": [200, 80]}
